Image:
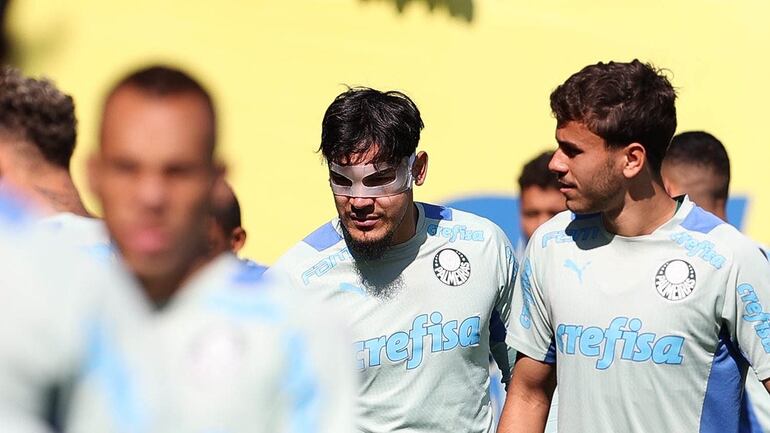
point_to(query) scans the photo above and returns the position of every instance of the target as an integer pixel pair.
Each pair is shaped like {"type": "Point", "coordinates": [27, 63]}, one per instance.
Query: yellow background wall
{"type": "Point", "coordinates": [482, 84]}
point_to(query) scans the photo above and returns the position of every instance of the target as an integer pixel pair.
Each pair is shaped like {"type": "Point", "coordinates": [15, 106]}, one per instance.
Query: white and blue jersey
{"type": "Point", "coordinates": [228, 353]}
{"type": "Point", "coordinates": [424, 318]}
{"type": "Point", "coordinates": [648, 333]}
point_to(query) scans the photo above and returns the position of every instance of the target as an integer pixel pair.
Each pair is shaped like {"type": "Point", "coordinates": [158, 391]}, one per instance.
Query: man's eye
{"type": "Point", "coordinates": [340, 180]}
{"type": "Point", "coordinates": [380, 179]}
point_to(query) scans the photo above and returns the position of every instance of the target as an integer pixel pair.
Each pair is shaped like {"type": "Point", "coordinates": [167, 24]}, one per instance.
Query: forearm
{"type": "Point", "coordinates": [525, 411]}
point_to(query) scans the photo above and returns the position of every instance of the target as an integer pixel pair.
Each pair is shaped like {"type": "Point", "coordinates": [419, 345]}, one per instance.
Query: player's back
{"type": "Point", "coordinates": [227, 353]}
{"type": "Point", "coordinates": [645, 331]}
{"type": "Point", "coordinates": [420, 317]}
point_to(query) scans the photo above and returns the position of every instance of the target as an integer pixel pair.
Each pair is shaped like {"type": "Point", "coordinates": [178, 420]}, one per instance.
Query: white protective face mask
{"type": "Point", "coordinates": [368, 180]}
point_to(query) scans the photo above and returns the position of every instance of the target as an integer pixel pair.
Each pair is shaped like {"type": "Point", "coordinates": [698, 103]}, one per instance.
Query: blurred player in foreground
{"type": "Point", "coordinates": [427, 287]}
{"type": "Point", "coordinates": [204, 345]}
{"type": "Point", "coordinates": [38, 131]}
{"type": "Point", "coordinates": [214, 349]}
{"type": "Point", "coordinates": [697, 164]}
{"type": "Point", "coordinates": [660, 305]}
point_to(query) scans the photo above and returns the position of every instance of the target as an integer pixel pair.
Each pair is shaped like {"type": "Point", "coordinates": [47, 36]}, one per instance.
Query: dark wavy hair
{"type": "Point", "coordinates": [36, 112]}
{"type": "Point", "coordinates": [623, 103]}
{"type": "Point", "coordinates": [362, 117]}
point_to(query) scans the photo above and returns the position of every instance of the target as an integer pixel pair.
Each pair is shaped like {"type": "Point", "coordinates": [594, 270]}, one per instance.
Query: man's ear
{"type": "Point", "coordinates": [634, 160]}
{"type": "Point", "coordinates": [420, 167]}
{"type": "Point", "coordinates": [237, 239]}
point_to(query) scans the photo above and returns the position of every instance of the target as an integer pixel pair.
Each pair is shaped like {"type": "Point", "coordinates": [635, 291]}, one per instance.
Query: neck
{"type": "Point", "coordinates": [408, 226]}
{"type": "Point", "coordinates": [52, 190]}
{"type": "Point", "coordinates": [645, 207]}
{"type": "Point", "coordinates": [160, 288]}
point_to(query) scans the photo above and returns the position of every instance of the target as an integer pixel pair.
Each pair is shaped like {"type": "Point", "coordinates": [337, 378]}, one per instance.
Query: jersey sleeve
{"type": "Point", "coordinates": [530, 331]}
{"type": "Point", "coordinates": [503, 354]}
{"type": "Point", "coordinates": [745, 310]}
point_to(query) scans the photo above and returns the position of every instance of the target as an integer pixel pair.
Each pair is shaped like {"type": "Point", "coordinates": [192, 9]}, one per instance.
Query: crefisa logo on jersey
{"type": "Point", "coordinates": [675, 280]}
{"type": "Point", "coordinates": [451, 267]}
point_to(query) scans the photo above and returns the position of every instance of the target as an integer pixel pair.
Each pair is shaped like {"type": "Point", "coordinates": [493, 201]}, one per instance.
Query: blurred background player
{"type": "Point", "coordinates": [225, 231]}
{"type": "Point", "coordinates": [426, 287]}
{"type": "Point", "coordinates": [697, 164]}
{"type": "Point", "coordinates": [656, 297]}
{"type": "Point", "coordinates": [539, 197]}
{"type": "Point", "coordinates": [38, 131]}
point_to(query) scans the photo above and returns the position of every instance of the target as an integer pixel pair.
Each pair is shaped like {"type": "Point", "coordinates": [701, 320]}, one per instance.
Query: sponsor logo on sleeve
{"type": "Point", "coordinates": [701, 249]}
{"type": "Point", "coordinates": [755, 314]}
{"type": "Point", "coordinates": [457, 232]}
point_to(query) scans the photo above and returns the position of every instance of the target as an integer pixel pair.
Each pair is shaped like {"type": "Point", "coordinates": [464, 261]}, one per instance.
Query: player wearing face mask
{"type": "Point", "coordinates": [427, 288]}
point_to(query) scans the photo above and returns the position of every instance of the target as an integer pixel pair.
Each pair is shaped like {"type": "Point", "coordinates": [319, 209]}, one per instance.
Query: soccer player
{"type": "Point", "coordinates": [646, 310]}
{"type": "Point", "coordinates": [697, 164]}
{"type": "Point", "coordinates": [427, 288]}
{"type": "Point", "coordinates": [38, 130]}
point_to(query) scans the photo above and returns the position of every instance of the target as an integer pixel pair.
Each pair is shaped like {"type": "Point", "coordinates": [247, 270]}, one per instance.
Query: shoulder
{"type": "Point", "coordinates": [323, 242]}
{"type": "Point", "coordinates": [566, 227]}
{"type": "Point", "coordinates": [704, 235]}
{"type": "Point", "coordinates": [454, 225]}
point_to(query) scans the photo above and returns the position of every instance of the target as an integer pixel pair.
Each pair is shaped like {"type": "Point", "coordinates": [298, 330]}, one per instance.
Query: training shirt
{"type": "Point", "coordinates": [648, 333]}
{"type": "Point", "coordinates": [228, 353]}
{"type": "Point", "coordinates": [424, 318]}
{"type": "Point", "coordinates": [84, 233]}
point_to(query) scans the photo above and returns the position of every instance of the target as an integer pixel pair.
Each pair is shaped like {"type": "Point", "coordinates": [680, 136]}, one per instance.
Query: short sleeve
{"type": "Point", "coordinates": [504, 355]}
{"type": "Point", "coordinates": [745, 310]}
{"type": "Point", "coordinates": [530, 331]}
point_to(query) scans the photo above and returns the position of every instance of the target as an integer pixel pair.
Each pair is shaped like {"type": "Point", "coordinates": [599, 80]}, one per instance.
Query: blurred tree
{"type": "Point", "coordinates": [5, 44]}
{"type": "Point", "coordinates": [462, 9]}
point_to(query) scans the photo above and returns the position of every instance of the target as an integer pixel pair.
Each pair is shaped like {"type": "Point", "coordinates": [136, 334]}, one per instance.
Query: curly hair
{"type": "Point", "coordinates": [623, 103]}
{"type": "Point", "coordinates": [35, 111]}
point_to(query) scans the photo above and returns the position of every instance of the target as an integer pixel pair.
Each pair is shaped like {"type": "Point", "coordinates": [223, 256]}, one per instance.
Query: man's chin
{"type": "Point", "coordinates": [366, 246]}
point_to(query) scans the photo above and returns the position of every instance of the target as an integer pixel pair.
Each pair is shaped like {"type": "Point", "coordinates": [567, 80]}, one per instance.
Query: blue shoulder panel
{"type": "Point", "coordinates": [698, 220]}
{"type": "Point", "coordinates": [323, 238]}
{"type": "Point", "coordinates": [437, 212]}
{"type": "Point", "coordinates": [11, 211]}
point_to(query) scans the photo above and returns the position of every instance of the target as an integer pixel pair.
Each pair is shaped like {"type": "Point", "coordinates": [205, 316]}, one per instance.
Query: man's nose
{"type": "Point", "coordinates": [557, 163]}
{"type": "Point", "coordinates": [151, 191]}
{"type": "Point", "coordinates": [361, 203]}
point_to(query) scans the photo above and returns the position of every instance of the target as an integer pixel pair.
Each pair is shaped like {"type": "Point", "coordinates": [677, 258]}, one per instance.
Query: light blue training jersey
{"type": "Point", "coordinates": [424, 318]}
{"type": "Point", "coordinates": [651, 333]}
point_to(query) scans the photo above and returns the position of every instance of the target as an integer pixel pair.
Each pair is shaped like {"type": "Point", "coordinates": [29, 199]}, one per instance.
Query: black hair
{"type": "Point", "coordinates": [362, 117]}
{"type": "Point", "coordinates": [536, 173]}
{"type": "Point", "coordinates": [37, 112]}
{"type": "Point", "coordinates": [702, 149]}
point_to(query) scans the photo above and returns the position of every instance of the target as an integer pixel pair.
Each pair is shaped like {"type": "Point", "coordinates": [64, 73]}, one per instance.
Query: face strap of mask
{"type": "Point", "coordinates": [370, 181]}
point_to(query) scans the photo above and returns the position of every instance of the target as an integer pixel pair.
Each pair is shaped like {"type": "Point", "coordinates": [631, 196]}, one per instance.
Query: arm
{"type": "Point", "coordinates": [529, 397]}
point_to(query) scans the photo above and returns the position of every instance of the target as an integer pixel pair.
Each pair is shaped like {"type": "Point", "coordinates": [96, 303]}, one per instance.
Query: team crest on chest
{"type": "Point", "coordinates": [675, 280]}
{"type": "Point", "coordinates": [451, 267]}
